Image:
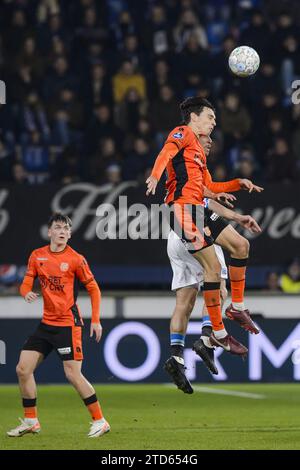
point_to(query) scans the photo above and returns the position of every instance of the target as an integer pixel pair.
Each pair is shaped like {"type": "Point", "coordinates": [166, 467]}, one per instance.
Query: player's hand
{"type": "Point", "coordinates": [97, 329]}
{"type": "Point", "coordinates": [249, 223]}
{"type": "Point", "coordinates": [225, 198]}
{"type": "Point", "coordinates": [151, 183]}
{"type": "Point", "coordinates": [31, 297]}
{"type": "Point", "coordinates": [249, 186]}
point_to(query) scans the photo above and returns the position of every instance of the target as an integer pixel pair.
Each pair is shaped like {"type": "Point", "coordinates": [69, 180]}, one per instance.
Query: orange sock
{"type": "Point", "coordinates": [212, 299]}
{"type": "Point", "coordinates": [30, 409]}
{"type": "Point", "coordinates": [237, 273]}
{"type": "Point", "coordinates": [94, 407]}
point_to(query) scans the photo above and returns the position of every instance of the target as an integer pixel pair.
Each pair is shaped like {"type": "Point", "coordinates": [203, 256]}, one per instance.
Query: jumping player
{"type": "Point", "coordinates": [187, 281]}
{"type": "Point", "coordinates": [187, 278]}
{"type": "Point", "coordinates": [184, 159]}
{"type": "Point", "coordinates": [59, 268]}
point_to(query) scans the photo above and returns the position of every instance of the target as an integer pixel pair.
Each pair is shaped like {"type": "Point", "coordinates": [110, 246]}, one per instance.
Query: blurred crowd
{"type": "Point", "coordinates": [93, 86]}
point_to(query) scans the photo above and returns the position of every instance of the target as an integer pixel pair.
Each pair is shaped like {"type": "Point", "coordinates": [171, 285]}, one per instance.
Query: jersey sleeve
{"type": "Point", "coordinates": [83, 272]}
{"type": "Point", "coordinates": [224, 187]}
{"type": "Point", "coordinates": [30, 275]}
{"type": "Point", "coordinates": [31, 267]}
{"type": "Point", "coordinates": [178, 139]}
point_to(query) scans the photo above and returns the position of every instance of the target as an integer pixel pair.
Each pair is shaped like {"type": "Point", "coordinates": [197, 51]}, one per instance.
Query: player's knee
{"type": "Point", "coordinates": [213, 271]}
{"type": "Point", "coordinates": [71, 375]}
{"type": "Point", "coordinates": [242, 247]}
{"type": "Point", "coordinates": [184, 308]}
{"type": "Point", "coordinates": [22, 370]}
{"type": "Point", "coordinates": [188, 308]}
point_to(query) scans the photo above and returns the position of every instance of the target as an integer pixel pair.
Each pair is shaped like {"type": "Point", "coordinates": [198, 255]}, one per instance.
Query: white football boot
{"type": "Point", "coordinates": [24, 428]}
{"type": "Point", "coordinates": [98, 428]}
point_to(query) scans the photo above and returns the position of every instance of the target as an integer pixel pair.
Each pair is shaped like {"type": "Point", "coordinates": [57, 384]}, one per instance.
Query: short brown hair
{"type": "Point", "coordinates": [59, 217]}
{"type": "Point", "coordinates": [193, 105]}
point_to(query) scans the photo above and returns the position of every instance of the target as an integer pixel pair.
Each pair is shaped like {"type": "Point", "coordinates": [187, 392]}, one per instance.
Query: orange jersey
{"type": "Point", "coordinates": [184, 159]}
{"type": "Point", "coordinates": [59, 273]}
{"type": "Point", "coordinates": [224, 187]}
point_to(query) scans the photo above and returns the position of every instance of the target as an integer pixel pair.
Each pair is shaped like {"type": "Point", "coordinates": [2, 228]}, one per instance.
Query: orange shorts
{"type": "Point", "coordinates": [188, 222]}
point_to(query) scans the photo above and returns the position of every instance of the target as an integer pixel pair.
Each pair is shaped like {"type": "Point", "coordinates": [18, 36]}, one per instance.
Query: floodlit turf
{"type": "Point", "coordinates": [154, 417]}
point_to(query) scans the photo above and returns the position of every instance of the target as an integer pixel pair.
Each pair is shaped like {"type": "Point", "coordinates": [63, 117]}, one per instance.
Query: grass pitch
{"type": "Point", "coordinates": [160, 417]}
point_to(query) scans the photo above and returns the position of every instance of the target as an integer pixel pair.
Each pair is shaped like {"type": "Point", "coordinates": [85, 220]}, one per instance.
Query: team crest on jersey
{"type": "Point", "coordinates": [178, 135]}
{"type": "Point", "coordinates": [64, 267]}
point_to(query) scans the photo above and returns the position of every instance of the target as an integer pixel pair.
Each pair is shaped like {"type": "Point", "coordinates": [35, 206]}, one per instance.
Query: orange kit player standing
{"type": "Point", "coordinates": [184, 160]}
{"type": "Point", "coordinates": [58, 268]}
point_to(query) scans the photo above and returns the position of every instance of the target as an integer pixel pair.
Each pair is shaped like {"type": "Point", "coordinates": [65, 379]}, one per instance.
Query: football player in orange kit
{"type": "Point", "coordinates": [185, 161]}
{"type": "Point", "coordinates": [58, 268]}
{"type": "Point", "coordinates": [187, 277]}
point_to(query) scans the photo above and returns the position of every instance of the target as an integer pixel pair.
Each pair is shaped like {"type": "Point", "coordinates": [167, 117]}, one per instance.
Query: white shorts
{"type": "Point", "coordinates": [187, 271]}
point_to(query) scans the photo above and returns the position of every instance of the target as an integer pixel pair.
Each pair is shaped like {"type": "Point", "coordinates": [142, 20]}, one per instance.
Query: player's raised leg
{"type": "Point", "coordinates": [212, 298]}
{"type": "Point", "coordinates": [28, 362]}
{"type": "Point", "coordinates": [87, 392]}
{"type": "Point", "coordinates": [238, 247]}
{"type": "Point", "coordinates": [185, 301]}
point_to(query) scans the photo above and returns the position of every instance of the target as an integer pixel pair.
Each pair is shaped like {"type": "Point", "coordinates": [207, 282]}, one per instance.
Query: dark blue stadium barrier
{"type": "Point", "coordinates": [135, 351]}
{"type": "Point", "coordinates": [110, 276]}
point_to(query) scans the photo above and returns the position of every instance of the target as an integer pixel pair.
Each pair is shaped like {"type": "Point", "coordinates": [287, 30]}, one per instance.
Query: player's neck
{"type": "Point", "coordinates": [194, 129]}
{"type": "Point", "coordinates": [56, 248]}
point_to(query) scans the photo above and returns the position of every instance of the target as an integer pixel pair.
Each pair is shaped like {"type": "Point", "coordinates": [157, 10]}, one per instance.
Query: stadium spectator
{"type": "Point", "coordinates": [29, 55]}
{"type": "Point", "coordinates": [257, 34]}
{"type": "Point", "coordinates": [33, 117]}
{"type": "Point", "coordinates": [14, 34]}
{"type": "Point", "coordinates": [67, 166]}
{"type": "Point", "coordinates": [273, 282]}
{"type": "Point", "coordinates": [59, 77]}
{"type": "Point", "coordinates": [129, 110]}
{"type": "Point", "coordinates": [35, 157]}
{"type": "Point", "coordinates": [235, 120]}
{"type": "Point", "coordinates": [25, 82]}
{"type": "Point", "coordinates": [157, 33]}
{"type": "Point", "coordinates": [66, 115]}
{"type": "Point", "coordinates": [113, 174]}
{"type": "Point", "coordinates": [48, 31]}
{"type": "Point", "coordinates": [101, 125]}
{"type": "Point", "coordinates": [19, 174]}
{"type": "Point", "coordinates": [126, 79]}
{"type": "Point", "coordinates": [98, 87]}
{"type": "Point", "coordinates": [193, 59]}
{"type": "Point", "coordinates": [138, 162]}
{"type": "Point", "coordinates": [164, 113]}
{"type": "Point", "coordinates": [187, 26]}
{"type": "Point", "coordinates": [123, 27]}
{"type": "Point", "coordinates": [290, 281]}
{"type": "Point", "coordinates": [160, 76]}
{"type": "Point", "coordinates": [280, 162]}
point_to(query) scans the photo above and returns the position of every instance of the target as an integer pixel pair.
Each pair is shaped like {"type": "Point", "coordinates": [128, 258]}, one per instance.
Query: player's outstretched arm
{"type": "Point", "coordinates": [230, 186]}
{"type": "Point", "coordinates": [247, 185]}
{"type": "Point", "coordinates": [245, 221]}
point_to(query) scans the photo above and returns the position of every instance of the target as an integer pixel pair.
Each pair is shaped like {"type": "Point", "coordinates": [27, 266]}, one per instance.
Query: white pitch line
{"type": "Point", "coordinates": [234, 393]}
